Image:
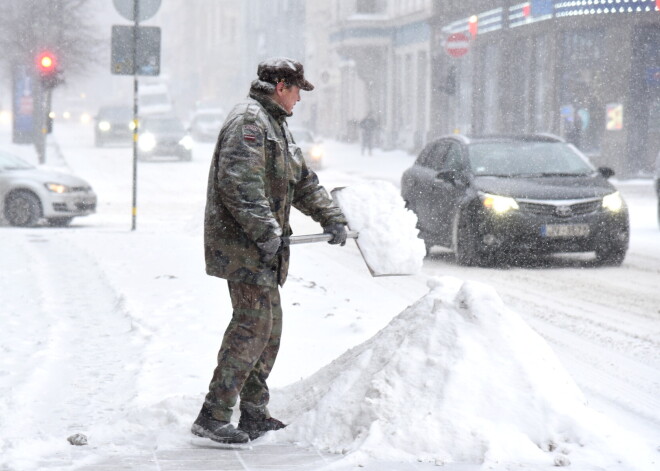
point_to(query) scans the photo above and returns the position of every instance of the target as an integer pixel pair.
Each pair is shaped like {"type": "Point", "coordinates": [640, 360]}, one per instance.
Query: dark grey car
{"type": "Point", "coordinates": [114, 125]}
{"type": "Point", "coordinates": [163, 136]}
{"type": "Point", "coordinates": [503, 195]}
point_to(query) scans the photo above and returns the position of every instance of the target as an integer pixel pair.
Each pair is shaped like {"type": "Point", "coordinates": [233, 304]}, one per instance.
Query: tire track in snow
{"type": "Point", "coordinates": [88, 356]}
{"type": "Point", "coordinates": [601, 322]}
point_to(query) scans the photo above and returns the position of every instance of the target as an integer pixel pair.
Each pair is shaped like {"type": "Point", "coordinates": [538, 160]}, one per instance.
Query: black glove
{"type": "Point", "coordinates": [338, 232]}
{"type": "Point", "coordinates": [269, 249]}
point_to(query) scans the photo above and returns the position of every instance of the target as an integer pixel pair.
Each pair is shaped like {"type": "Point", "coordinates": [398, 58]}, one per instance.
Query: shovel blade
{"type": "Point", "coordinates": [387, 242]}
{"type": "Point", "coordinates": [379, 250]}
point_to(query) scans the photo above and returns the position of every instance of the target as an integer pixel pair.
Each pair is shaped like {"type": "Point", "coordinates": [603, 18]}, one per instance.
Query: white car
{"type": "Point", "coordinates": [29, 194]}
{"type": "Point", "coordinates": [154, 99]}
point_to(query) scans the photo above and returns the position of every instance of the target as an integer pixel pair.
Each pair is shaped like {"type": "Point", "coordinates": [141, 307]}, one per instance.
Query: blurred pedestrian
{"type": "Point", "coordinates": [256, 175]}
{"type": "Point", "coordinates": [368, 125]}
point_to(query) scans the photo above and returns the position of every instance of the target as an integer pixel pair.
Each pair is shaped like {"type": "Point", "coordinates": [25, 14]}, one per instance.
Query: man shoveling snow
{"type": "Point", "coordinates": [256, 175]}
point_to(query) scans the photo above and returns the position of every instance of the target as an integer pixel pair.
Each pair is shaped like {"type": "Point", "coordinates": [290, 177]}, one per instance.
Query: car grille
{"type": "Point", "coordinates": [81, 188]}
{"type": "Point", "coordinates": [560, 209]}
{"type": "Point", "coordinates": [82, 206]}
{"type": "Point", "coordinates": [167, 143]}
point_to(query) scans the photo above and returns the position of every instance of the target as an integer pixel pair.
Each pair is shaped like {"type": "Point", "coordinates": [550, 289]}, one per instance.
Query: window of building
{"type": "Point", "coordinates": [543, 76]}
{"type": "Point", "coordinates": [366, 6]}
{"type": "Point", "coordinates": [491, 110]}
{"type": "Point", "coordinates": [582, 107]}
{"type": "Point", "coordinates": [463, 109]}
{"type": "Point", "coordinates": [422, 98]}
{"type": "Point", "coordinates": [518, 88]}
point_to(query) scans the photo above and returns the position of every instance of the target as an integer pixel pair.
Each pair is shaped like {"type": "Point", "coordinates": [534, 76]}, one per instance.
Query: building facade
{"type": "Point", "coordinates": [587, 70]}
{"type": "Point", "coordinates": [203, 46]}
{"type": "Point", "coordinates": [373, 59]}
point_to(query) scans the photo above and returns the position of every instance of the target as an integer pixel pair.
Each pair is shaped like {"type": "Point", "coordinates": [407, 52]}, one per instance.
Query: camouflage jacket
{"type": "Point", "coordinates": [257, 173]}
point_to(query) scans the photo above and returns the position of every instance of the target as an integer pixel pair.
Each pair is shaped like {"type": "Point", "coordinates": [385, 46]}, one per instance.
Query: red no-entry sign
{"type": "Point", "coordinates": [457, 44]}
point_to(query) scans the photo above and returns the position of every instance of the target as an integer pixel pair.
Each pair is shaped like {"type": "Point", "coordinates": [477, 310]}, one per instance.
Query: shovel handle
{"type": "Point", "coordinates": [309, 238]}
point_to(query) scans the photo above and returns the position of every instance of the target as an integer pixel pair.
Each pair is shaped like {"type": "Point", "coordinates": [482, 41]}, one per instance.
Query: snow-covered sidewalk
{"type": "Point", "coordinates": [113, 334]}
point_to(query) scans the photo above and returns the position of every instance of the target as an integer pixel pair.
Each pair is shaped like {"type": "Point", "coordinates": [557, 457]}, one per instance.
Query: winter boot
{"type": "Point", "coordinates": [217, 430]}
{"type": "Point", "coordinates": [255, 424]}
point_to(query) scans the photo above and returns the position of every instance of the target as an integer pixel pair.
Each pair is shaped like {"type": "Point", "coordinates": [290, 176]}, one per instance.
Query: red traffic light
{"type": "Point", "coordinates": [46, 62]}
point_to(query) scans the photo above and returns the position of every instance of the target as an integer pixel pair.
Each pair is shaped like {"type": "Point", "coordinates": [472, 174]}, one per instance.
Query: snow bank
{"type": "Point", "coordinates": [388, 234]}
{"type": "Point", "coordinates": [456, 377]}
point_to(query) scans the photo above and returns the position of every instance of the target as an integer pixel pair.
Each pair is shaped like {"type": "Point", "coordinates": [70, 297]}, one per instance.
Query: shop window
{"type": "Point", "coordinates": [581, 89]}
{"type": "Point", "coordinates": [491, 109]}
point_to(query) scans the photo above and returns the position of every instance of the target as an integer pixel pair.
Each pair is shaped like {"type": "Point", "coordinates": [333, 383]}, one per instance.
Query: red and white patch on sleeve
{"type": "Point", "coordinates": [250, 132]}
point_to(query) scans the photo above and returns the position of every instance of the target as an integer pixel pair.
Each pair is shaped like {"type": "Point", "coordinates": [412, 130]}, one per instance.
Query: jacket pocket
{"type": "Point", "coordinates": [276, 159]}
{"type": "Point", "coordinates": [295, 162]}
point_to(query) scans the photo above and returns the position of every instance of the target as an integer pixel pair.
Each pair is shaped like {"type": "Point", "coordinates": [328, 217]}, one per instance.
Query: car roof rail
{"type": "Point", "coordinates": [458, 137]}
{"type": "Point", "coordinates": [549, 136]}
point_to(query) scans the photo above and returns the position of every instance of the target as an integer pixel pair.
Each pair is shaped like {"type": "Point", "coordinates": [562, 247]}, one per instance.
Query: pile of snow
{"type": "Point", "coordinates": [456, 377]}
{"type": "Point", "coordinates": [387, 230]}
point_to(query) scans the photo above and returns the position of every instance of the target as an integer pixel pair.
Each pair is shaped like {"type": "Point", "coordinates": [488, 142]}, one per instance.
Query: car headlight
{"type": "Point", "coordinates": [316, 153]}
{"type": "Point", "coordinates": [187, 142]}
{"type": "Point", "coordinates": [613, 202]}
{"type": "Point", "coordinates": [147, 142]}
{"type": "Point", "coordinates": [499, 204]}
{"type": "Point", "coordinates": [104, 126]}
{"type": "Point", "coordinates": [57, 188]}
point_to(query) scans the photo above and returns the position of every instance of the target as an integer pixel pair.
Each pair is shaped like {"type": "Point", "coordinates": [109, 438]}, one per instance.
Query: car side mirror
{"type": "Point", "coordinates": [450, 176]}
{"type": "Point", "coordinates": [606, 172]}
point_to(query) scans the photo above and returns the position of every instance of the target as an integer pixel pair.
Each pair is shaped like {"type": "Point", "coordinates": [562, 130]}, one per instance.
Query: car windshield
{"type": "Point", "coordinates": [521, 158]}
{"type": "Point", "coordinates": [164, 125]}
{"type": "Point", "coordinates": [11, 162]}
{"type": "Point", "coordinates": [119, 114]}
{"type": "Point", "coordinates": [154, 99]}
{"type": "Point", "coordinates": [302, 135]}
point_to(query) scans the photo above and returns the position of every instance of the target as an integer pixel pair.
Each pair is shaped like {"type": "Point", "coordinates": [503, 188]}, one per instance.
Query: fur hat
{"type": "Point", "coordinates": [283, 69]}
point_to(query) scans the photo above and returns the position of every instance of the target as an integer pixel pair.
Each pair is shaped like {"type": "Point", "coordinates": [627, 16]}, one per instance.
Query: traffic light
{"type": "Point", "coordinates": [48, 70]}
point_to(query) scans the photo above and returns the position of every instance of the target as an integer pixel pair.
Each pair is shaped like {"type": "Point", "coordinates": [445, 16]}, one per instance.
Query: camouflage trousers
{"type": "Point", "coordinates": [248, 351]}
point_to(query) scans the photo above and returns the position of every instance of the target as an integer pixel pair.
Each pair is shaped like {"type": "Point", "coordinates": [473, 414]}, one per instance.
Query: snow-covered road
{"type": "Point", "coordinates": [89, 312]}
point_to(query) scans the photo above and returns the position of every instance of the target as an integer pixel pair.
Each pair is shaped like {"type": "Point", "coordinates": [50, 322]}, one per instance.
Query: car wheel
{"type": "Point", "coordinates": [611, 255]}
{"type": "Point", "coordinates": [22, 209]}
{"type": "Point", "coordinates": [467, 245]}
{"type": "Point", "coordinates": [59, 222]}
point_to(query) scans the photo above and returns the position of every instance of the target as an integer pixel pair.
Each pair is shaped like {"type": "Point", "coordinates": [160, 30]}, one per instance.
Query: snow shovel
{"type": "Point", "coordinates": [310, 238]}
{"type": "Point", "coordinates": [385, 246]}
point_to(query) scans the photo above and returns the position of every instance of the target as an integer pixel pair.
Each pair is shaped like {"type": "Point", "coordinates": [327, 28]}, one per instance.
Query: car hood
{"type": "Point", "coordinates": [47, 176]}
{"type": "Point", "coordinates": [550, 188]}
{"type": "Point", "coordinates": [170, 136]}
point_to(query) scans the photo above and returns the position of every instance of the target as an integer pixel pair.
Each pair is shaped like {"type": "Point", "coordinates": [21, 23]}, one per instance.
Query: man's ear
{"type": "Point", "coordinates": [280, 87]}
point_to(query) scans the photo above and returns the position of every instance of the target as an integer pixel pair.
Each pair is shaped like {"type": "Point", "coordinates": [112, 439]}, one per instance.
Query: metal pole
{"type": "Point", "coordinates": [136, 11]}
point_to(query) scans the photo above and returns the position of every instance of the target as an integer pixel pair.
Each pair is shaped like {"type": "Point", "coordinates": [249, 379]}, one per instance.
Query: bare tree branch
{"type": "Point", "coordinates": [64, 27]}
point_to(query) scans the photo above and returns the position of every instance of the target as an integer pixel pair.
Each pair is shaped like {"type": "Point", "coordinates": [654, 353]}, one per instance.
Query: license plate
{"type": "Point", "coordinates": [565, 230]}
